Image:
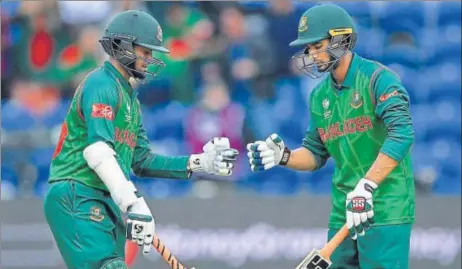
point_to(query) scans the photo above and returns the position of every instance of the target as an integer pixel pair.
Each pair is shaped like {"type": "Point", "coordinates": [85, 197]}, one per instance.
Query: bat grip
{"type": "Point", "coordinates": [167, 256]}
{"type": "Point", "coordinates": [338, 238]}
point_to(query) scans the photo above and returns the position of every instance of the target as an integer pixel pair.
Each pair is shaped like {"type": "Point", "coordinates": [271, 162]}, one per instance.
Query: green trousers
{"type": "Point", "coordinates": [86, 224]}
{"type": "Point", "coordinates": [382, 247]}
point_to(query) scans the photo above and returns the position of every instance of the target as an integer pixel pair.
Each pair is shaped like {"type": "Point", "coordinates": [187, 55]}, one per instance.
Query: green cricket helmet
{"type": "Point", "coordinates": [130, 28]}
{"type": "Point", "coordinates": [325, 21]}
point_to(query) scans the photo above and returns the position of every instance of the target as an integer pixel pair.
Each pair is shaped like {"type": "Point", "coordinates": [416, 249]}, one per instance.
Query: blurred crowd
{"type": "Point", "coordinates": [230, 74]}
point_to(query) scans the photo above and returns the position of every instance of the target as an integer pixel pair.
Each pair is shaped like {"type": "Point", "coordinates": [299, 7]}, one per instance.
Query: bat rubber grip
{"type": "Point", "coordinates": [167, 256]}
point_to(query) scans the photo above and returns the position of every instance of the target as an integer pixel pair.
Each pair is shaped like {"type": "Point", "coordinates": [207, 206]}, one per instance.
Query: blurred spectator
{"type": "Point", "coordinates": [249, 56]}
{"type": "Point", "coordinates": [214, 115]}
{"type": "Point", "coordinates": [283, 19]}
{"type": "Point", "coordinates": [185, 32]}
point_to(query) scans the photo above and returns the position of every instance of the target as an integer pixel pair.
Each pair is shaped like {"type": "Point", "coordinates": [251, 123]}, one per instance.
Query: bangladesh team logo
{"type": "Point", "coordinates": [303, 25]}
{"type": "Point", "coordinates": [356, 100]}
{"type": "Point", "coordinates": [159, 33]}
{"type": "Point", "coordinates": [95, 214]}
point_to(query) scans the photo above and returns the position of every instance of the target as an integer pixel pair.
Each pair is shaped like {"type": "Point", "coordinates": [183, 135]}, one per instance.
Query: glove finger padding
{"type": "Point", "coordinates": [216, 143]}
{"type": "Point", "coordinates": [147, 244]}
{"type": "Point", "coordinates": [262, 167]}
{"type": "Point", "coordinates": [223, 165]}
{"type": "Point", "coordinates": [274, 141]}
{"type": "Point", "coordinates": [351, 225]}
{"type": "Point", "coordinates": [229, 155]}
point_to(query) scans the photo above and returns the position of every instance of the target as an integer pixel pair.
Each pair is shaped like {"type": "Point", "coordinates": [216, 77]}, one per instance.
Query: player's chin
{"type": "Point", "coordinates": [322, 68]}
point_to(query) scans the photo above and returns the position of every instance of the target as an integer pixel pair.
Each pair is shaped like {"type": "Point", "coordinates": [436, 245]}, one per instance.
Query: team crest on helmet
{"type": "Point", "coordinates": [303, 25]}
{"type": "Point", "coordinates": [356, 100]}
{"type": "Point", "coordinates": [159, 33]}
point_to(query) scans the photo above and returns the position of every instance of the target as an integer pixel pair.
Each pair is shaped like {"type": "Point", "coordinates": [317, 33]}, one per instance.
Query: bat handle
{"type": "Point", "coordinates": [338, 238]}
{"type": "Point", "coordinates": [167, 256]}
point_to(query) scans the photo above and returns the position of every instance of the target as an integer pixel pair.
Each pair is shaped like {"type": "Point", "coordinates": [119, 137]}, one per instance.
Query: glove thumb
{"type": "Point", "coordinates": [275, 142]}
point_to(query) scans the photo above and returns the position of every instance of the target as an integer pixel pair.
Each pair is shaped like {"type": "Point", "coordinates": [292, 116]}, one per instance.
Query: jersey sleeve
{"type": "Point", "coordinates": [393, 108]}
{"type": "Point", "coordinates": [98, 105]}
{"type": "Point", "coordinates": [312, 141]}
{"type": "Point", "coordinates": [145, 163]}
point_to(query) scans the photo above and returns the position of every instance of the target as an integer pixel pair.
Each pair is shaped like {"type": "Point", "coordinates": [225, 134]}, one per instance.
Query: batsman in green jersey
{"type": "Point", "coordinates": [360, 117]}
{"type": "Point", "coordinates": [102, 140]}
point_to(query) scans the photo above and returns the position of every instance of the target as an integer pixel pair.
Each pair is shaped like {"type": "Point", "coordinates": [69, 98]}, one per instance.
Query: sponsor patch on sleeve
{"type": "Point", "coordinates": [102, 111]}
{"type": "Point", "coordinates": [384, 97]}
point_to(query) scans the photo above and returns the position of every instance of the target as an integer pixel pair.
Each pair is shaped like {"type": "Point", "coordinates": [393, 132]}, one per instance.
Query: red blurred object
{"type": "Point", "coordinates": [70, 56]}
{"type": "Point", "coordinates": [131, 251]}
{"type": "Point", "coordinates": [179, 49]}
{"type": "Point", "coordinates": [41, 49]}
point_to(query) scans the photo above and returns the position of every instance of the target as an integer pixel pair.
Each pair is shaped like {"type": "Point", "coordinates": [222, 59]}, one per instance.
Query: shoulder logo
{"type": "Point", "coordinates": [356, 100]}
{"type": "Point", "coordinates": [95, 214]}
{"type": "Point", "coordinates": [303, 24]}
{"type": "Point", "coordinates": [102, 111]}
{"type": "Point", "coordinates": [384, 97]}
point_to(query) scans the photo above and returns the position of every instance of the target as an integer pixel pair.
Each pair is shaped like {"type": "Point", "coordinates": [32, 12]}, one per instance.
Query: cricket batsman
{"type": "Point", "coordinates": [102, 140]}
{"type": "Point", "coordinates": [360, 117]}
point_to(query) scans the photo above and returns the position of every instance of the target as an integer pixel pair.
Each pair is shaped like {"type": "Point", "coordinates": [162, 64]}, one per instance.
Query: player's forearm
{"type": "Point", "coordinates": [153, 165]}
{"type": "Point", "coordinates": [302, 159]}
{"type": "Point", "coordinates": [399, 140]}
{"type": "Point", "coordinates": [381, 168]}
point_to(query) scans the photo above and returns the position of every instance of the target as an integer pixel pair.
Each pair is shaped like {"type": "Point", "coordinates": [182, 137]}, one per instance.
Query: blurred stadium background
{"type": "Point", "coordinates": [229, 74]}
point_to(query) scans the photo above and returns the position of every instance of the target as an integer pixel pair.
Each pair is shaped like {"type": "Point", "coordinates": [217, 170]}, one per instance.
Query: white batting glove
{"type": "Point", "coordinates": [264, 155]}
{"type": "Point", "coordinates": [140, 225]}
{"type": "Point", "coordinates": [218, 158]}
{"type": "Point", "coordinates": [360, 208]}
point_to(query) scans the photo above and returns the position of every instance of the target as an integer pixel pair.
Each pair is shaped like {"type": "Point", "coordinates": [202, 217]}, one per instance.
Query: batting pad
{"type": "Point", "coordinates": [314, 260]}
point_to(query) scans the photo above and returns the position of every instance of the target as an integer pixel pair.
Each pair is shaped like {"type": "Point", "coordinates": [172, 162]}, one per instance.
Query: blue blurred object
{"type": "Point", "coordinates": [162, 188]}
{"type": "Point", "coordinates": [447, 153]}
{"type": "Point", "coordinates": [449, 12]}
{"type": "Point", "coordinates": [406, 55]}
{"type": "Point", "coordinates": [9, 183]}
{"type": "Point", "coordinates": [360, 11]}
{"type": "Point", "coordinates": [10, 8]}
{"type": "Point", "coordinates": [11, 112]}
{"type": "Point", "coordinates": [276, 181]}
{"type": "Point", "coordinates": [403, 17]}
{"type": "Point", "coordinates": [41, 159]}
{"type": "Point", "coordinates": [444, 121]}
{"type": "Point", "coordinates": [165, 123]}
{"type": "Point", "coordinates": [320, 182]}
{"type": "Point", "coordinates": [55, 117]}
{"type": "Point", "coordinates": [446, 90]}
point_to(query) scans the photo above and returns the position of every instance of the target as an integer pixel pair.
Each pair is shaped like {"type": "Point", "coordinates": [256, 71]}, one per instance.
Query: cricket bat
{"type": "Point", "coordinates": [167, 256]}
{"type": "Point", "coordinates": [320, 259]}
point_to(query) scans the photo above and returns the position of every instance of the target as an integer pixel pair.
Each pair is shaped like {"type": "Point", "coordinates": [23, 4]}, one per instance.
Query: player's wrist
{"type": "Point", "coordinates": [195, 163]}
{"type": "Point", "coordinates": [368, 184]}
{"type": "Point", "coordinates": [285, 156]}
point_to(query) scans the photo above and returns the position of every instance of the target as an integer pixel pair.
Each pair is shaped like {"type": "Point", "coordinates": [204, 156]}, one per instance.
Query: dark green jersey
{"type": "Point", "coordinates": [106, 108]}
{"type": "Point", "coordinates": [367, 115]}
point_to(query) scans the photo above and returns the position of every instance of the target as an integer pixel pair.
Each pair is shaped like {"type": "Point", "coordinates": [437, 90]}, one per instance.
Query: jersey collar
{"type": "Point", "coordinates": [351, 73]}
{"type": "Point", "coordinates": [118, 77]}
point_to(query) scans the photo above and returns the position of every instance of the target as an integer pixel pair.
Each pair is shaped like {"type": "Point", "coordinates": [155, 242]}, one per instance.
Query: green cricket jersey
{"type": "Point", "coordinates": [106, 108]}
{"type": "Point", "coordinates": [352, 124]}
